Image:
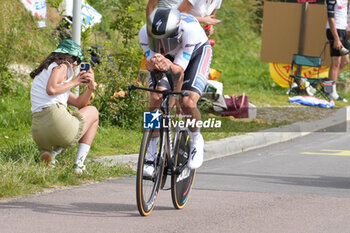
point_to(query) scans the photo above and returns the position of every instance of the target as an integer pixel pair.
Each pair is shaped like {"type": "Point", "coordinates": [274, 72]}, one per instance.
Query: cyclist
{"type": "Point", "coordinates": [177, 41]}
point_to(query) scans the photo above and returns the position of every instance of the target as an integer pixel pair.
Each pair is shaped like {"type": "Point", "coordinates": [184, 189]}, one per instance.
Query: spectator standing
{"type": "Point", "coordinates": [204, 11]}
{"type": "Point", "coordinates": [338, 39]}
{"type": "Point", "coordinates": [152, 4]}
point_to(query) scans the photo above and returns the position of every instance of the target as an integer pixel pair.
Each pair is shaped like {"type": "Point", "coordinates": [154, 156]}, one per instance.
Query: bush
{"type": "Point", "coordinates": [119, 67]}
{"type": "Point", "coordinates": [112, 99]}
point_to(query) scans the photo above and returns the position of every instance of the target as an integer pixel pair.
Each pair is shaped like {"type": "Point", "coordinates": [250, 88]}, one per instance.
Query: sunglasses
{"type": "Point", "coordinates": [77, 59]}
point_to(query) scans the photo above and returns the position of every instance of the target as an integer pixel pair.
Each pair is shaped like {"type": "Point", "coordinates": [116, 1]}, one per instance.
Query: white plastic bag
{"type": "Point", "coordinates": [218, 85]}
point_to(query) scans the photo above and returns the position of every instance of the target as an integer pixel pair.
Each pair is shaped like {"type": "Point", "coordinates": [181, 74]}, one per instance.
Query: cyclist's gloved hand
{"type": "Point", "coordinates": [150, 64]}
{"type": "Point", "coordinates": [161, 63]}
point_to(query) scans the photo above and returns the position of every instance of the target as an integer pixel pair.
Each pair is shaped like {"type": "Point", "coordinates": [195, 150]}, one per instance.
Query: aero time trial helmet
{"type": "Point", "coordinates": [163, 30]}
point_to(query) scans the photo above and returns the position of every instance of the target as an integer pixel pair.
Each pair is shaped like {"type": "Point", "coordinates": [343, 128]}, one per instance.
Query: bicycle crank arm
{"type": "Point", "coordinates": [178, 170]}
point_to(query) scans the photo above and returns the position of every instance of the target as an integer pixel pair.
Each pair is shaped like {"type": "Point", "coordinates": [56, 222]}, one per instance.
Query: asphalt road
{"type": "Point", "coordinates": [298, 186]}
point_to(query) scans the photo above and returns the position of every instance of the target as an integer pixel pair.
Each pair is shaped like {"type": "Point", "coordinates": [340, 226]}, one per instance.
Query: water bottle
{"type": "Point", "coordinates": [308, 88]}
{"type": "Point", "coordinates": [293, 86]}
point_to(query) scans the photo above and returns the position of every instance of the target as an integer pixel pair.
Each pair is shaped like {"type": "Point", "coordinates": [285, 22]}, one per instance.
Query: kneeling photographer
{"type": "Point", "coordinates": [54, 128]}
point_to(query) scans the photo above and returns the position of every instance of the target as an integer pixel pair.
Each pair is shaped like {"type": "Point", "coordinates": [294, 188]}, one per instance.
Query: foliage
{"type": "Point", "coordinates": [118, 68]}
{"type": "Point", "coordinates": [125, 23]}
{"type": "Point", "coordinates": [54, 3]}
{"type": "Point", "coordinates": [112, 99]}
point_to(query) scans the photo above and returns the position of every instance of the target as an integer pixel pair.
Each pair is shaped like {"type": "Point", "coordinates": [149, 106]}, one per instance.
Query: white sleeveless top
{"type": "Point", "coordinates": [38, 95]}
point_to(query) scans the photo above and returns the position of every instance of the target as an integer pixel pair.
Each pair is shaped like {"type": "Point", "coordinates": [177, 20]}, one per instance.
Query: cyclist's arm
{"type": "Point", "coordinates": [185, 6]}
{"type": "Point", "coordinates": [159, 62]}
{"type": "Point", "coordinates": [151, 5]}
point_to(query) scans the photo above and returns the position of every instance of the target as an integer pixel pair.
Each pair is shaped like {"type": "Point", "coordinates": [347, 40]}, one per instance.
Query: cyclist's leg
{"type": "Point", "coordinates": [197, 143]}
{"type": "Point", "coordinates": [152, 151]}
{"type": "Point", "coordinates": [195, 78]}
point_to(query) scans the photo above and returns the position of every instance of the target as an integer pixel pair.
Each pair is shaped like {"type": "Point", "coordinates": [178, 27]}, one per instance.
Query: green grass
{"type": "Point", "coordinates": [236, 55]}
{"type": "Point", "coordinates": [20, 39]}
{"type": "Point", "coordinates": [112, 140]}
{"type": "Point", "coordinates": [22, 173]}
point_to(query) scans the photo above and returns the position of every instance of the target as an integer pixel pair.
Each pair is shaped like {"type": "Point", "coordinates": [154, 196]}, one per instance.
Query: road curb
{"type": "Point", "coordinates": [228, 146]}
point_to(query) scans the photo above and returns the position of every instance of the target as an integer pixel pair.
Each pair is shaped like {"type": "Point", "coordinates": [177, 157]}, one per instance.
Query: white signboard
{"type": "Point", "coordinates": [89, 16]}
{"type": "Point", "coordinates": [38, 10]}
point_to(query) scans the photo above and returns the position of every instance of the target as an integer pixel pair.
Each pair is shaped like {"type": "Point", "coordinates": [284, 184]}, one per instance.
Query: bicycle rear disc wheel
{"type": "Point", "coordinates": [147, 188]}
{"type": "Point", "coordinates": [181, 184]}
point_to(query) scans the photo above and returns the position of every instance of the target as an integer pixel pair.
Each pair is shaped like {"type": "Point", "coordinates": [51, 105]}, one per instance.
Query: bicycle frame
{"type": "Point", "coordinates": [164, 107]}
{"type": "Point", "coordinates": [165, 111]}
{"type": "Point", "coordinates": [171, 158]}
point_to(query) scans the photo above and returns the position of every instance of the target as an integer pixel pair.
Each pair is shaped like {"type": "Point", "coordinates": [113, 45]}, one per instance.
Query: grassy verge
{"type": "Point", "coordinates": [22, 173]}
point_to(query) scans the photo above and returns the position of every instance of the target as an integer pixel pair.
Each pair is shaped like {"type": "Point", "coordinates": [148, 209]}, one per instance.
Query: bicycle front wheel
{"type": "Point", "coordinates": [147, 188]}
{"type": "Point", "coordinates": [181, 181]}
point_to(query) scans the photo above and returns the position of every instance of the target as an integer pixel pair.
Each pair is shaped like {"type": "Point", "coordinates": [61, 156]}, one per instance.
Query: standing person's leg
{"type": "Point", "coordinates": [334, 69]}
{"type": "Point", "coordinates": [344, 62]}
{"type": "Point", "coordinates": [90, 116]}
{"type": "Point", "coordinates": [338, 64]}
{"type": "Point", "coordinates": [338, 61]}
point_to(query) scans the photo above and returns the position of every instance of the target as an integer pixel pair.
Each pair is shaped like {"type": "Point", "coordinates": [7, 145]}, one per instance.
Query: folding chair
{"type": "Point", "coordinates": [308, 85]}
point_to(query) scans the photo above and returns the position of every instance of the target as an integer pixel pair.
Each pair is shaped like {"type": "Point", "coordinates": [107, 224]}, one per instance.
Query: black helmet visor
{"type": "Point", "coordinates": [164, 45]}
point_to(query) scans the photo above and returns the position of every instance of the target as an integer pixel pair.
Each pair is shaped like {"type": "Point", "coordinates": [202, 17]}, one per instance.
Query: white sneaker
{"type": "Point", "coordinates": [148, 170]}
{"type": "Point", "coordinates": [79, 169]}
{"type": "Point", "coordinates": [54, 162]}
{"type": "Point", "coordinates": [338, 97]}
{"type": "Point", "coordinates": [197, 150]}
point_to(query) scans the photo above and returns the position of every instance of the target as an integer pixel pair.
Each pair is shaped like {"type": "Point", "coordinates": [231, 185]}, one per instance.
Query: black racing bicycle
{"type": "Point", "coordinates": [173, 152]}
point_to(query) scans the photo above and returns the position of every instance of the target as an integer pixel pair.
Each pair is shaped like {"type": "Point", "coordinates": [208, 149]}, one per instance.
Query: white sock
{"type": "Point", "coordinates": [334, 93]}
{"type": "Point", "coordinates": [55, 153]}
{"type": "Point", "coordinates": [152, 149]}
{"type": "Point", "coordinates": [83, 151]}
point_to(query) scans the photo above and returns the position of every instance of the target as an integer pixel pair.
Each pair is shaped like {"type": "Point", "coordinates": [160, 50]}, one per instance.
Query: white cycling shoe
{"type": "Point", "coordinates": [148, 170]}
{"type": "Point", "coordinates": [197, 151]}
